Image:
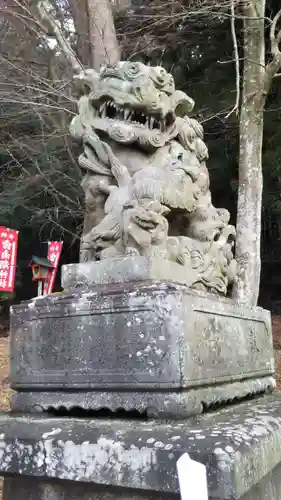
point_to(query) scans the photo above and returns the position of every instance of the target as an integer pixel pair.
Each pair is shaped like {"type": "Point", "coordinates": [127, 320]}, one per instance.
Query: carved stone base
{"type": "Point", "coordinates": [164, 405]}
{"type": "Point", "coordinates": [125, 269]}
{"type": "Point", "coordinates": [156, 348]}
{"type": "Point", "coordinates": [111, 459]}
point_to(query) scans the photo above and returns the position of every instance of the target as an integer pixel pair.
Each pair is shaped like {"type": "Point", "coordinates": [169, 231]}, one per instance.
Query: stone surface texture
{"type": "Point", "coordinates": [123, 270]}
{"type": "Point", "coordinates": [155, 348]}
{"type": "Point", "coordinates": [145, 178]}
{"type": "Point", "coordinates": [24, 488]}
{"type": "Point", "coordinates": [240, 447]}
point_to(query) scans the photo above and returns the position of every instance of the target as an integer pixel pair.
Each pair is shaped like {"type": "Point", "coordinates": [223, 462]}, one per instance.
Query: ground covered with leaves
{"type": "Point", "coordinates": [276, 333]}
{"type": "Point", "coordinates": [5, 391]}
{"type": "Point", "coordinates": [4, 375]}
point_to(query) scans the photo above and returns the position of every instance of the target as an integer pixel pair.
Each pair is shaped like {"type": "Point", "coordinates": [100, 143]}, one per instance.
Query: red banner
{"type": "Point", "coordinates": [54, 253]}
{"type": "Point", "coordinates": [8, 258]}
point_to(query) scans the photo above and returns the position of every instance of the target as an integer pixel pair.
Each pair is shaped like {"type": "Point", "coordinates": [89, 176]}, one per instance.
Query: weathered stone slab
{"type": "Point", "coordinates": [240, 447]}
{"type": "Point", "coordinates": [158, 348]}
{"type": "Point", "coordinates": [124, 269]}
{"type": "Point", "coordinates": [29, 488]}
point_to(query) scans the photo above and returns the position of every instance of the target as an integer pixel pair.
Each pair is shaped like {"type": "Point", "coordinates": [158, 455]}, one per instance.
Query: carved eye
{"type": "Point", "coordinates": [132, 71]}
{"type": "Point", "coordinates": [180, 157]}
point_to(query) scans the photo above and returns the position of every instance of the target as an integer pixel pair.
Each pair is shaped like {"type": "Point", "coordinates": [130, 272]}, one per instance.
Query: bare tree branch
{"type": "Point", "coordinates": [273, 66]}
{"type": "Point", "coordinates": [235, 108]}
{"type": "Point", "coordinates": [275, 39]}
{"type": "Point", "coordinates": [45, 9]}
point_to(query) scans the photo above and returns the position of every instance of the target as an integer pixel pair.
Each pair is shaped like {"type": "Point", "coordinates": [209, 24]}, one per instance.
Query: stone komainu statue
{"type": "Point", "coordinates": [145, 177]}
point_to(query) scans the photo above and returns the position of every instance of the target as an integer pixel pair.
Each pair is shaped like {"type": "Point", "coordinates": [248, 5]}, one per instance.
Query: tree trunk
{"type": "Point", "coordinates": [102, 34]}
{"type": "Point", "coordinates": [101, 47]}
{"type": "Point", "coordinates": [79, 10]}
{"type": "Point", "coordinates": [250, 160]}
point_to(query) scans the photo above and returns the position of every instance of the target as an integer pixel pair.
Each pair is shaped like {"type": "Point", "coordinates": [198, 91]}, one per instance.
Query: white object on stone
{"type": "Point", "coordinates": [192, 479]}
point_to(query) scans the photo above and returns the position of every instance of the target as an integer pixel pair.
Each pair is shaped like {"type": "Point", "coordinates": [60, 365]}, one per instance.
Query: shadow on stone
{"type": "Point", "coordinates": [77, 412]}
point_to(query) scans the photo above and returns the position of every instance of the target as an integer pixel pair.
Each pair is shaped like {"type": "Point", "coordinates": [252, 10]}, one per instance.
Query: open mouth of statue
{"type": "Point", "coordinates": [112, 111]}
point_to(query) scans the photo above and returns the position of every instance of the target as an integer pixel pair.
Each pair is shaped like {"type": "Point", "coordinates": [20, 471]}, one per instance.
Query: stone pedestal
{"type": "Point", "coordinates": [85, 459]}
{"type": "Point", "coordinates": [157, 348]}
{"type": "Point", "coordinates": [154, 347]}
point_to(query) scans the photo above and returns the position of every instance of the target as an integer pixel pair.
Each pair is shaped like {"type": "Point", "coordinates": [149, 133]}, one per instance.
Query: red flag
{"type": "Point", "coordinates": [54, 253]}
{"type": "Point", "coordinates": [8, 258]}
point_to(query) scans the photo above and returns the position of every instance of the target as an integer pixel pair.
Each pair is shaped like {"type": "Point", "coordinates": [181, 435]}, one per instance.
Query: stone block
{"type": "Point", "coordinates": [31, 488]}
{"type": "Point", "coordinates": [124, 270]}
{"type": "Point", "coordinates": [110, 459]}
{"type": "Point", "coordinates": [155, 348]}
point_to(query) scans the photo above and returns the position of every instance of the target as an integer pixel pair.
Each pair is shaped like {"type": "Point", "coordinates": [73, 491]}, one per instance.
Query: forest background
{"type": "Point", "coordinates": [193, 39]}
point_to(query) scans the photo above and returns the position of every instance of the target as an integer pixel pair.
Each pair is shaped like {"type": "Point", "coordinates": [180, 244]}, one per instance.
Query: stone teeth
{"type": "Point", "coordinates": [126, 114]}
{"type": "Point", "coordinates": [103, 110]}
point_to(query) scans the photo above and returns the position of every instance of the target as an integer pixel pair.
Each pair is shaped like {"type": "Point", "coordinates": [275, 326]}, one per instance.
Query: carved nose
{"type": "Point", "coordinates": [145, 90]}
